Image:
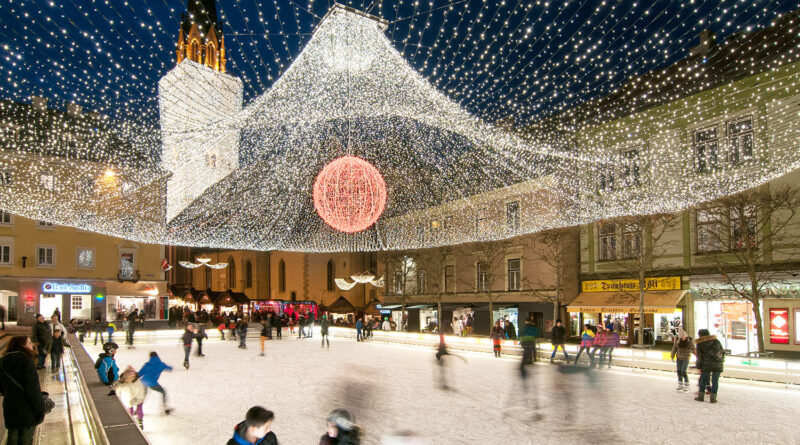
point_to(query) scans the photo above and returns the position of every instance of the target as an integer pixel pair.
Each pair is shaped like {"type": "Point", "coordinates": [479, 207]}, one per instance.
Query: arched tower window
{"type": "Point", "coordinates": [231, 274]}
{"type": "Point", "coordinates": [248, 274]}
{"type": "Point", "coordinates": [281, 276]}
{"type": "Point", "coordinates": [211, 55]}
{"type": "Point", "coordinates": [331, 274]}
{"type": "Point", "coordinates": [194, 51]}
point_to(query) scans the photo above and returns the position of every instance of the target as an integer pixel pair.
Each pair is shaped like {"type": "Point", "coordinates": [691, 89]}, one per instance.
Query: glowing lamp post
{"type": "Point", "coordinates": [349, 194]}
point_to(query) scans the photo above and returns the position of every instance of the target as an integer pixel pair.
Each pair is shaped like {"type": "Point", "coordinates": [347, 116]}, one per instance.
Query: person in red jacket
{"type": "Point", "coordinates": [600, 340]}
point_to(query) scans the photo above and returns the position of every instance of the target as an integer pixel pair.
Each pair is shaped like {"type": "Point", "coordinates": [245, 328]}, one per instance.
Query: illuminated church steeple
{"type": "Point", "coordinates": [200, 39]}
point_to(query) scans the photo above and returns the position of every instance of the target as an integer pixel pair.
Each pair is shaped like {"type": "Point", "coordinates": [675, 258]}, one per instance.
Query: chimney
{"type": "Point", "coordinates": [707, 39]}
{"type": "Point", "coordinates": [74, 110]}
{"type": "Point", "coordinates": [39, 103]}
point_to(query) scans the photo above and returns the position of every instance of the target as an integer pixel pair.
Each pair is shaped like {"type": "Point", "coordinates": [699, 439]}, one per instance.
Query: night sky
{"type": "Point", "coordinates": [496, 58]}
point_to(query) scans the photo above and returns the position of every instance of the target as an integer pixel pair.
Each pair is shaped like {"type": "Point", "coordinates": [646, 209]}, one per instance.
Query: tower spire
{"type": "Point", "coordinates": [200, 35]}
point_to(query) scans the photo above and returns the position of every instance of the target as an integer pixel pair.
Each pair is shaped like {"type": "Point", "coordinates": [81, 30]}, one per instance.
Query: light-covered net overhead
{"type": "Point", "coordinates": [399, 151]}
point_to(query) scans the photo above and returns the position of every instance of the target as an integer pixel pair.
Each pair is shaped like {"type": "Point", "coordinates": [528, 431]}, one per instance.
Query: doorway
{"type": "Point", "coordinates": [48, 303]}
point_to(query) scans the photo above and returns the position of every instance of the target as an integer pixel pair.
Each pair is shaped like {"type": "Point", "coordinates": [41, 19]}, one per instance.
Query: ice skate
{"type": "Point", "coordinates": [141, 425]}
{"type": "Point", "coordinates": [713, 398]}
{"type": "Point", "coordinates": [168, 411]}
{"type": "Point", "coordinates": [186, 365]}
{"type": "Point", "coordinates": [680, 387]}
{"type": "Point", "coordinates": [686, 387]}
{"type": "Point", "coordinates": [261, 354]}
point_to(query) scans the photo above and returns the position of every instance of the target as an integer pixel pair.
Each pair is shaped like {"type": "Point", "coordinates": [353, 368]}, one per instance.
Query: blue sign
{"type": "Point", "coordinates": [66, 288]}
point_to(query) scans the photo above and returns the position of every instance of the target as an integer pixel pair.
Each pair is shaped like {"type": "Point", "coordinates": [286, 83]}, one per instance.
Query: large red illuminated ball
{"type": "Point", "coordinates": [349, 194]}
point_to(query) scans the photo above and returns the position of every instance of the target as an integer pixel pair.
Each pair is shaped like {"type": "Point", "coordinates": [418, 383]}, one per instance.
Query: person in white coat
{"type": "Point", "coordinates": [456, 326]}
{"type": "Point", "coordinates": [386, 325]}
{"type": "Point", "coordinates": [132, 393]}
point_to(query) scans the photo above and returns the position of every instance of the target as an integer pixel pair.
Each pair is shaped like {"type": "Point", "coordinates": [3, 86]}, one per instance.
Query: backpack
{"type": "Point", "coordinates": [715, 352]}
{"type": "Point", "coordinates": [99, 360]}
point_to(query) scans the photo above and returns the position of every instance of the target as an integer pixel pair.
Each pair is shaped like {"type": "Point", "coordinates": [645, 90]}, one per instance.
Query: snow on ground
{"type": "Point", "coordinates": [393, 389]}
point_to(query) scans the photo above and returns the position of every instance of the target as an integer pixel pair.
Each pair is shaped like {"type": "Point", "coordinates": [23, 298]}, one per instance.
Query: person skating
{"type": "Point", "coordinates": [559, 333]}
{"type": "Point", "coordinates": [710, 359]}
{"type": "Point", "coordinates": [23, 402]}
{"type": "Point", "coordinates": [98, 329]}
{"type": "Point", "coordinates": [278, 327]}
{"type": "Point", "coordinates": [599, 344]}
{"type": "Point", "coordinates": [130, 330]}
{"type": "Point", "coordinates": [528, 341]}
{"type": "Point", "coordinates": [110, 328]}
{"type": "Point", "coordinates": [42, 338]}
{"type": "Point", "coordinates": [132, 391]}
{"type": "Point", "coordinates": [587, 339]}
{"type": "Point", "coordinates": [255, 429]}
{"type": "Point", "coordinates": [56, 350]}
{"type": "Point", "coordinates": [151, 372]}
{"type": "Point", "coordinates": [241, 330]}
{"type": "Point", "coordinates": [200, 335]}
{"type": "Point", "coordinates": [301, 322]}
{"type": "Point", "coordinates": [612, 342]}
{"type": "Point", "coordinates": [310, 321]}
{"type": "Point", "coordinates": [342, 429]}
{"type": "Point", "coordinates": [323, 330]}
{"type": "Point", "coordinates": [497, 336]}
{"type": "Point", "coordinates": [188, 337]}
{"type": "Point", "coordinates": [264, 334]}
{"type": "Point", "coordinates": [682, 350]}
{"type": "Point", "coordinates": [106, 366]}
{"type": "Point", "coordinates": [359, 327]}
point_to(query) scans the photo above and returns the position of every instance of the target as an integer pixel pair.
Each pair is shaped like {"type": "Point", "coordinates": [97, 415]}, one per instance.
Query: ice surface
{"type": "Point", "coordinates": [392, 389]}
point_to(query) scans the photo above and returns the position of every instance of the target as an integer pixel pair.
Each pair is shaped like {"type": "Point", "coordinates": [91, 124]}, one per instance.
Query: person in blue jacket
{"type": "Point", "coordinates": [359, 326]}
{"type": "Point", "coordinates": [255, 429]}
{"type": "Point", "coordinates": [106, 366]}
{"type": "Point", "coordinates": [149, 375]}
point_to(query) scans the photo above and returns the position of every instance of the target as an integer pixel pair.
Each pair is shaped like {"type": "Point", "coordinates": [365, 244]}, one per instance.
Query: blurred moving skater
{"type": "Point", "coordinates": [151, 372]}
{"type": "Point", "coordinates": [342, 429]}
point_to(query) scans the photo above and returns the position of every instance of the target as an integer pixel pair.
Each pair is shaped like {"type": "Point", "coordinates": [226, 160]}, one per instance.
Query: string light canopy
{"type": "Point", "coordinates": [581, 129]}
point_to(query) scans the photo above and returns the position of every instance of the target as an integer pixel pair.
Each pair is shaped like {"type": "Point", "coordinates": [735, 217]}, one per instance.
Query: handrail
{"type": "Point", "coordinates": [89, 411]}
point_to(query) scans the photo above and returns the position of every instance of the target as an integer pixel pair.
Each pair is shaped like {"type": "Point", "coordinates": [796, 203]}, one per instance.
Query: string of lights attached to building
{"type": "Point", "coordinates": [391, 126]}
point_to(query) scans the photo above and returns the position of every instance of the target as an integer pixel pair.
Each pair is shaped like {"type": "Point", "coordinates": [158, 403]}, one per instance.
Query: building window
{"type": "Point", "coordinates": [483, 277]}
{"type": "Point", "coordinates": [248, 274]}
{"type": "Point", "coordinates": [421, 281]}
{"type": "Point", "coordinates": [331, 275]}
{"type": "Point", "coordinates": [480, 222]}
{"type": "Point", "coordinates": [76, 302]}
{"type": "Point", "coordinates": [281, 276]}
{"type": "Point", "coordinates": [6, 219]}
{"type": "Point", "coordinates": [512, 215]}
{"type": "Point", "coordinates": [85, 258]}
{"type": "Point", "coordinates": [449, 279]}
{"type": "Point", "coordinates": [607, 233]}
{"type": "Point", "coordinates": [706, 156]}
{"type": "Point", "coordinates": [45, 256]}
{"type": "Point", "coordinates": [127, 264]}
{"type": "Point", "coordinates": [398, 283]}
{"type": "Point", "coordinates": [47, 181]}
{"type": "Point", "coordinates": [605, 178]}
{"type": "Point", "coordinates": [709, 230]}
{"type": "Point", "coordinates": [44, 225]}
{"type": "Point", "coordinates": [630, 168]}
{"type": "Point", "coordinates": [743, 226]}
{"type": "Point", "coordinates": [6, 251]}
{"type": "Point", "coordinates": [514, 274]}
{"type": "Point", "coordinates": [5, 178]}
{"type": "Point", "coordinates": [631, 240]}
{"type": "Point", "coordinates": [740, 140]}
{"type": "Point", "coordinates": [231, 274]}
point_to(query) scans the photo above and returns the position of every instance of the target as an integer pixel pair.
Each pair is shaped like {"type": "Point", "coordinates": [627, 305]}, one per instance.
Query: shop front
{"type": "Point", "coordinates": [664, 312]}
{"type": "Point", "coordinates": [25, 297]}
{"type": "Point", "coordinates": [232, 302]}
{"type": "Point", "coordinates": [341, 312]}
{"type": "Point", "coordinates": [149, 297]}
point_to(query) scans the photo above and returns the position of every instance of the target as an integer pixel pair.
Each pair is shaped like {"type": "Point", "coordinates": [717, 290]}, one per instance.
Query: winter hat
{"type": "Point", "coordinates": [128, 375]}
{"type": "Point", "coordinates": [682, 333]}
{"type": "Point", "coordinates": [343, 419]}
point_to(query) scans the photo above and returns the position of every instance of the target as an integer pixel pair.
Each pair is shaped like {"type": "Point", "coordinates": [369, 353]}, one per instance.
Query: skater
{"type": "Point", "coordinates": [131, 327]}
{"type": "Point", "coordinates": [200, 335]}
{"type": "Point", "coordinates": [587, 339]}
{"type": "Point", "coordinates": [311, 321]}
{"type": "Point", "coordinates": [188, 336]}
{"type": "Point", "coordinates": [56, 350]}
{"type": "Point", "coordinates": [599, 344]}
{"type": "Point", "coordinates": [23, 402]}
{"type": "Point", "coordinates": [278, 327]}
{"type": "Point", "coordinates": [528, 341]}
{"type": "Point", "coordinates": [255, 429]}
{"type": "Point", "coordinates": [150, 373]}
{"type": "Point", "coordinates": [264, 334]}
{"type": "Point", "coordinates": [106, 366]}
{"type": "Point", "coordinates": [232, 327]}
{"type": "Point", "coordinates": [132, 393]}
{"type": "Point", "coordinates": [110, 330]}
{"type": "Point", "coordinates": [558, 333]}
{"type": "Point", "coordinates": [98, 329]}
{"type": "Point", "coordinates": [710, 359]}
{"type": "Point", "coordinates": [301, 322]}
{"type": "Point", "coordinates": [359, 327]}
{"type": "Point", "coordinates": [221, 329]}
{"type": "Point", "coordinates": [42, 338]}
{"type": "Point", "coordinates": [497, 336]}
{"type": "Point", "coordinates": [241, 329]}
{"type": "Point", "coordinates": [342, 429]}
{"type": "Point", "coordinates": [612, 341]}
{"type": "Point", "coordinates": [323, 330]}
{"type": "Point", "coordinates": [682, 349]}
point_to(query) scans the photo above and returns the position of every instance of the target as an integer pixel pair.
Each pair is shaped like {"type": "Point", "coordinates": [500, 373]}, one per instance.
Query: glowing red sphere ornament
{"type": "Point", "coordinates": [349, 194]}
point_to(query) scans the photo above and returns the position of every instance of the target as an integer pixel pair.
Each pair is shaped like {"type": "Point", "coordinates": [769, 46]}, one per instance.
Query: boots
{"type": "Point", "coordinates": [713, 398]}
{"type": "Point", "coordinates": [701, 396]}
{"type": "Point", "coordinates": [680, 386]}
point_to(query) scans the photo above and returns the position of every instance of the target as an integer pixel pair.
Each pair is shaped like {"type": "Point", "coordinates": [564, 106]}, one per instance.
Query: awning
{"type": "Point", "coordinates": [341, 306]}
{"type": "Point", "coordinates": [419, 306]}
{"type": "Point", "coordinates": [230, 298]}
{"type": "Point", "coordinates": [627, 302]}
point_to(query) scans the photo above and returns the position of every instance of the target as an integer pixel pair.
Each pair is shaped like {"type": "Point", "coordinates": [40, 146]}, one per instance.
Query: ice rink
{"type": "Point", "coordinates": [395, 389]}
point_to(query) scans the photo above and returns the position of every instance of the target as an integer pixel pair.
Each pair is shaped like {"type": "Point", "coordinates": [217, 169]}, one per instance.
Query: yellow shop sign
{"type": "Point", "coordinates": [656, 283]}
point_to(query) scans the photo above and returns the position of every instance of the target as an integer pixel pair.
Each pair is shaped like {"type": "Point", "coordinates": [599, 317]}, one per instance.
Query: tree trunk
{"type": "Point", "coordinates": [556, 308]}
{"type": "Point", "coordinates": [439, 314]}
{"type": "Point", "coordinates": [759, 324]}
{"type": "Point", "coordinates": [491, 315]}
{"type": "Point", "coordinates": [403, 315]}
{"type": "Point", "coordinates": [641, 307]}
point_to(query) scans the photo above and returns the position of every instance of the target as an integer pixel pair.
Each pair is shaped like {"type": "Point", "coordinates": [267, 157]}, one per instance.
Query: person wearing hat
{"type": "Point", "coordinates": [42, 338]}
{"type": "Point", "coordinates": [682, 348]}
{"type": "Point", "coordinates": [342, 429]}
{"type": "Point", "coordinates": [386, 325]}
{"type": "Point", "coordinates": [106, 366]}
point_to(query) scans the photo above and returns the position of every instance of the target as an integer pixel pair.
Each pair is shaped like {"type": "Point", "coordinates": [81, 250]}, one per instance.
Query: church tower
{"type": "Point", "coordinates": [193, 98]}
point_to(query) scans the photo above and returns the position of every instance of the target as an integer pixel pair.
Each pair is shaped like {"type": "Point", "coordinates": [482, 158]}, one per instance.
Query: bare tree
{"type": "Point", "coordinates": [747, 236]}
{"type": "Point", "coordinates": [489, 259]}
{"type": "Point", "coordinates": [400, 267]}
{"type": "Point", "coordinates": [432, 263]}
{"type": "Point", "coordinates": [556, 248]}
{"type": "Point", "coordinates": [643, 241]}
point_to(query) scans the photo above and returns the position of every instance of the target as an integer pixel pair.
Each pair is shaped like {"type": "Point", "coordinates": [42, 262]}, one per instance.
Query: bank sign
{"type": "Point", "coordinates": [632, 285]}
{"type": "Point", "coordinates": [66, 288]}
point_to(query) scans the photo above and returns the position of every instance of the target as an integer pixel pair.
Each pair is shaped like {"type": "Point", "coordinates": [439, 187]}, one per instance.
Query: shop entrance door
{"type": "Point", "coordinates": [48, 303]}
{"type": "Point", "coordinates": [12, 307]}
